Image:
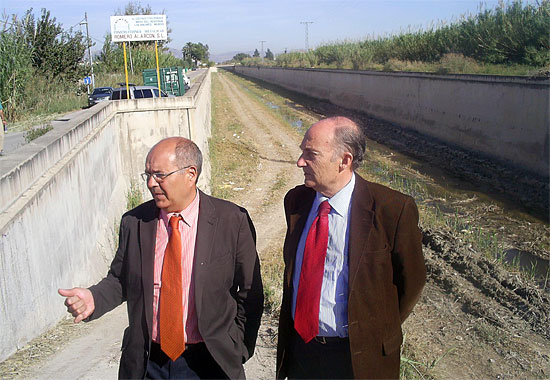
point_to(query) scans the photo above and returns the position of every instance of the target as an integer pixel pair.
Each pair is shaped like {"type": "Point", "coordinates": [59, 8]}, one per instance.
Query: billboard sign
{"type": "Point", "coordinates": [138, 28]}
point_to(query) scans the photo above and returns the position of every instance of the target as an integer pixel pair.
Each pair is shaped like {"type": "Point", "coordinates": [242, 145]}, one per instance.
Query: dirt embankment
{"type": "Point", "coordinates": [475, 318]}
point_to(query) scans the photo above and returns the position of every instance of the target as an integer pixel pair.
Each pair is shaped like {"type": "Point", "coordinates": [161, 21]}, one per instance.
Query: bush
{"type": "Point", "coordinates": [35, 133]}
{"type": "Point", "coordinates": [457, 63]}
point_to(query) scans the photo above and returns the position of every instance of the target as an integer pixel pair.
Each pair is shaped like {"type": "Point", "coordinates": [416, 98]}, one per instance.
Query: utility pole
{"type": "Point", "coordinates": [89, 50]}
{"type": "Point", "coordinates": [306, 23]}
{"type": "Point", "coordinates": [131, 63]}
{"type": "Point", "coordinates": [262, 42]}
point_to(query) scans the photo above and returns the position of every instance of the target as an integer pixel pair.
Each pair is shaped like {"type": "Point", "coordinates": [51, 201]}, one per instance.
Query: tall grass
{"type": "Point", "coordinates": [143, 57]}
{"type": "Point", "coordinates": [30, 96]}
{"type": "Point", "coordinates": [512, 34]}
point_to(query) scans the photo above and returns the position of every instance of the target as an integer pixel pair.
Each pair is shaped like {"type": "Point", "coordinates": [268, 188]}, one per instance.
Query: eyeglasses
{"type": "Point", "coordinates": [159, 177]}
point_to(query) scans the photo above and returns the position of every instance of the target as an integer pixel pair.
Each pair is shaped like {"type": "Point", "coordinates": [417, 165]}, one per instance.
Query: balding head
{"type": "Point", "coordinates": [348, 137]}
{"type": "Point", "coordinates": [186, 152]}
{"type": "Point", "coordinates": [331, 150]}
{"type": "Point", "coordinates": [172, 168]}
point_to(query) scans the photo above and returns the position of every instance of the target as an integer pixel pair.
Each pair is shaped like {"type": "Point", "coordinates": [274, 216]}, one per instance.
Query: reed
{"type": "Point", "coordinates": [502, 40]}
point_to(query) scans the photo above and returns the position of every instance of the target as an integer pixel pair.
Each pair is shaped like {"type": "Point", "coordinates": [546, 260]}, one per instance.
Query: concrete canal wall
{"type": "Point", "coordinates": [62, 195]}
{"type": "Point", "coordinates": [505, 118]}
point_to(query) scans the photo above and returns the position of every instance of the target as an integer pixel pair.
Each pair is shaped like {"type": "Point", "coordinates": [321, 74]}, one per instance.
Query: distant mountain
{"type": "Point", "coordinates": [176, 52]}
{"type": "Point", "coordinates": [222, 57]}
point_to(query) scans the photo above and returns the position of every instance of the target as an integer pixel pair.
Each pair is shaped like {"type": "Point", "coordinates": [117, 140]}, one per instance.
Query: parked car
{"type": "Point", "coordinates": [138, 92]}
{"type": "Point", "coordinates": [99, 95]}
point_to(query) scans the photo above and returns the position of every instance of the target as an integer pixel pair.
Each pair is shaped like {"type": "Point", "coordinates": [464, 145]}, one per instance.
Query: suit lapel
{"type": "Point", "coordinates": [147, 238]}
{"type": "Point", "coordinates": [297, 222]}
{"type": "Point", "coordinates": [361, 223]}
{"type": "Point", "coordinates": [204, 243]}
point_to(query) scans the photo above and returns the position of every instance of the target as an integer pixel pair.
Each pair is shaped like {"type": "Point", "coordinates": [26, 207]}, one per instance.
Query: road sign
{"type": "Point", "coordinates": [138, 28]}
{"type": "Point", "coordinates": [88, 80]}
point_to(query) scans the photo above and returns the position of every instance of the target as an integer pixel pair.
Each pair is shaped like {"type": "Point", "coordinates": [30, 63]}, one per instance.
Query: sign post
{"type": "Point", "coordinates": [139, 28]}
{"type": "Point", "coordinates": [87, 81]}
{"type": "Point", "coordinates": [126, 71]}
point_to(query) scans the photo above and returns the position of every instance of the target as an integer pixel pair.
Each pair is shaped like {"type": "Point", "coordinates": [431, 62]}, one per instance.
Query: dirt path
{"type": "Point", "coordinates": [278, 151]}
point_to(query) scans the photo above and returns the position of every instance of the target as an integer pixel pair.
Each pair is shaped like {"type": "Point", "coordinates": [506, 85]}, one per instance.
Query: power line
{"type": "Point", "coordinates": [85, 21]}
{"type": "Point", "coordinates": [306, 23]}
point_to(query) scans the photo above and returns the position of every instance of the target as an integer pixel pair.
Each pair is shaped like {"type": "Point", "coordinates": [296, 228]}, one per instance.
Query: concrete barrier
{"type": "Point", "coordinates": [506, 118]}
{"type": "Point", "coordinates": [61, 198]}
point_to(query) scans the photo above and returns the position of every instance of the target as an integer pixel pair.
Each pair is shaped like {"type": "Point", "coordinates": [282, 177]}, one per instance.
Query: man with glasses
{"type": "Point", "coordinates": [188, 269]}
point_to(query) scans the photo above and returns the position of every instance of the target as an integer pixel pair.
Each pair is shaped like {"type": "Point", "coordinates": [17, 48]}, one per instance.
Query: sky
{"type": "Point", "coordinates": [231, 26]}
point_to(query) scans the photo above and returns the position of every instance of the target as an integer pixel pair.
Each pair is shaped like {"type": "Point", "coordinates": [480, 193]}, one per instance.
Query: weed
{"type": "Point", "coordinates": [279, 184]}
{"type": "Point", "coordinates": [36, 132]}
{"type": "Point", "coordinates": [490, 333]}
{"type": "Point", "coordinates": [272, 276]}
{"type": "Point", "coordinates": [133, 196]}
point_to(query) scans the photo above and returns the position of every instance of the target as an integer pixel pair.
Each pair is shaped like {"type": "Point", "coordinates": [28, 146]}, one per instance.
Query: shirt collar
{"type": "Point", "coordinates": [340, 201]}
{"type": "Point", "coordinates": [187, 214]}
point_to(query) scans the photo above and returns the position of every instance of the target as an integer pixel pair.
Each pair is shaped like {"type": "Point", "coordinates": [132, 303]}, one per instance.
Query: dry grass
{"type": "Point", "coordinates": [233, 158]}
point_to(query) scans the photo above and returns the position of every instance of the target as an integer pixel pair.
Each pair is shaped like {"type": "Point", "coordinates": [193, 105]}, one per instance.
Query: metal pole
{"type": "Point", "coordinates": [89, 49]}
{"type": "Point", "coordinates": [126, 72]}
{"type": "Point", "coordinates": [131, 62]}
{"type": "Point", "coordinates": [158, 73]}
{"type": "Point", "coordinates": [306, 23]}
{"type": "Point", "coordinates": [262, 42]}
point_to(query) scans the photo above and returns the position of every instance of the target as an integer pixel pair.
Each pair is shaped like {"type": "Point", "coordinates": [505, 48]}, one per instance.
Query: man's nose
{"type": "Point", "coordinates": [151, 182]}
{"type": "Point", "coordinates": [301, 162]}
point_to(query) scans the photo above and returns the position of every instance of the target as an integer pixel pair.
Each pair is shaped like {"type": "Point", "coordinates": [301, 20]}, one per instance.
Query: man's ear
{"type": "Point", "coordinates": [192, 173]}
{"type": "Point", "coordinates": [347, 160]}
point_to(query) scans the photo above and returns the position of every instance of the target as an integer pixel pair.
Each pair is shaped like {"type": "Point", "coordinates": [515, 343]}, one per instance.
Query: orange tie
{"type": "Point", "coordinates": [172, 339]}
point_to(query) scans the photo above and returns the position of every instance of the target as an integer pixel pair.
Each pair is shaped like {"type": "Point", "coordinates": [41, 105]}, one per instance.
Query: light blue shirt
{"type": "Point", "coordinates": [333, 308]}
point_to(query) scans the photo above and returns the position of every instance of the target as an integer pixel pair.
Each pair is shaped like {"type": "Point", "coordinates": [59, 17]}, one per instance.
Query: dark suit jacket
{"type": "Point", "coordinates": [386, 274]}
{"type": "Point", "coordinates": [228, 286]}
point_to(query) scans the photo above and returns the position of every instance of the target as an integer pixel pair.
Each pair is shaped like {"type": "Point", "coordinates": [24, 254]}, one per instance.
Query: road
{"type": "Point", "coordinates": [15, 140]}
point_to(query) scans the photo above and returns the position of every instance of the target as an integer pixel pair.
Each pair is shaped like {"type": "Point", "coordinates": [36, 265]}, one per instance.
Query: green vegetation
{"type": "Point", "coordinates": [239, 57]}
{"type": "Point", "coordinates": [111, 58]}
{"type": "Point", "coordinates": [193, 53]}
{"type": "Point", "coordinates": [133, 196]}
{"type": "Point", "coordinates": [38, 56]}
{"type": "Point", "coordinates": [510, 39]}
{"type": "Point", "coordinates": [40, 77]}
{"type": "Point", "coordinates": [35, 133]}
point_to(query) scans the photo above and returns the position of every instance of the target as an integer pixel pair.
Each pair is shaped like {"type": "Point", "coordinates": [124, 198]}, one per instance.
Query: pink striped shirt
{"type": "Point", "coordinates": [188, 230]}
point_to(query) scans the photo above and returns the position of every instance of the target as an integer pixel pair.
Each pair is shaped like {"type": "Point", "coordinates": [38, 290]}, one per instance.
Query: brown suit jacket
{"type": "Point", "coordinates": [228, 286]}
{"type": "Point", "coordinates": [386, 274]}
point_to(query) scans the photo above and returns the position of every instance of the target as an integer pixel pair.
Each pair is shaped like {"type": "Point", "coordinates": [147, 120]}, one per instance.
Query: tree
{"type": "Point", "coordinates": [256, 53]}
{"type": "Point", "coordinates": [55, 51]}
{"type": "Point", "coordinates": [239, 57]}
{"type": "Point", "coordinates": [109, 56]}
{"type": "Point", "coordinates": [269, 55]}
{"type": "Point", "coordinates": [196, 52]}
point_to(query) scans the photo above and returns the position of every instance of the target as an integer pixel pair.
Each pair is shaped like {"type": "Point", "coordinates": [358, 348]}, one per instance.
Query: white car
{"type": "Point", "coordinates": [138, 92]}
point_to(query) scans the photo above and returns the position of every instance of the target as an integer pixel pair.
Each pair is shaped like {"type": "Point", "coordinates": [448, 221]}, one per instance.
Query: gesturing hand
{"type": "Point", "coordinates": [79, 302]}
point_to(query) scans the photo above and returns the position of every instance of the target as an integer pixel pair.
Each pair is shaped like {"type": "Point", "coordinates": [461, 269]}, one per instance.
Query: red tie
{"type": "Point", "coordinates": [172, 339]}
{"type": "Point", "coordinates": [306, 318]}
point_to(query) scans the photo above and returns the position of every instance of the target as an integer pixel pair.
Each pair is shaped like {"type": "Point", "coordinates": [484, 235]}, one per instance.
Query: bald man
{"type": "Point", "coordinates": [354, 267]}
{"type": "Point", "coordinates": [189, 272]}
